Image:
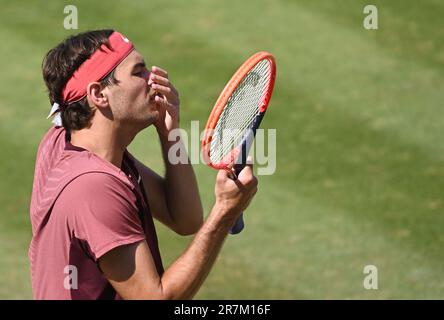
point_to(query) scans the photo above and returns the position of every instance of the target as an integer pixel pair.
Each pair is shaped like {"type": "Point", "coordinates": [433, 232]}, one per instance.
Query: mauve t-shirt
{"type": "Point", "coordinates": [82, 207]}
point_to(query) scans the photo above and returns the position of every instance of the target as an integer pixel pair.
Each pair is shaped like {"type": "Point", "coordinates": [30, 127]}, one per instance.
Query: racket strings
{"type": "Point", "coordinates": [240, 111]}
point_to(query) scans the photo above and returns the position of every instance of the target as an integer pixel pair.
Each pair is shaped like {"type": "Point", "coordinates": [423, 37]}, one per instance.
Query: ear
{"type": "Point", "coordinates": [97, 95]}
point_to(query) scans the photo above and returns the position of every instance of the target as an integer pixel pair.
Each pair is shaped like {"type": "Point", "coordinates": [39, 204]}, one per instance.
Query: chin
{"type": "Point", "coordinates": [151, 118]}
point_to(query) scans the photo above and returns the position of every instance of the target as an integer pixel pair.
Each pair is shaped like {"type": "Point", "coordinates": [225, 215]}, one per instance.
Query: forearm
{"type": "Point", "coordinates": [132, 271]}
{"type": "Point", "coordinates": [181, 189]}
{"type": "Point", "coordinates": [185, 276]}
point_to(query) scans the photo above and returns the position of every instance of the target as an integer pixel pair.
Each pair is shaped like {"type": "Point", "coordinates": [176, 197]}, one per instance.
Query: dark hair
{"type": "Point", "coordinates": [59, 65]}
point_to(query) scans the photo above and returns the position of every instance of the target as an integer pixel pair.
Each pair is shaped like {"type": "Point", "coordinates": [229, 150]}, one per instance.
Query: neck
{"type": "Point", "coordinates": [103, 140]}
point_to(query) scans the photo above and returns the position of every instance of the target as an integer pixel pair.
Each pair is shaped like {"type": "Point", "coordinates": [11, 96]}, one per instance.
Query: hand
{"type": "Point", "coordinates": [167, 100]}
{"type": "Point", "coordinates": [234, 196]}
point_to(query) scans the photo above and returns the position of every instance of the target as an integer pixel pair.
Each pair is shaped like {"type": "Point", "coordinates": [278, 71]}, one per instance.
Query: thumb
{"type": "Point", "coordinates": [247, 171]}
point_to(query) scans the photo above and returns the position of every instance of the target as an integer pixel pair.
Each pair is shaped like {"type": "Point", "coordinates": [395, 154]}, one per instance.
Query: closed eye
{"type": "Point", "coordinates": [144, 73]}
{"type": "Point", "coordinates": [140, 70]}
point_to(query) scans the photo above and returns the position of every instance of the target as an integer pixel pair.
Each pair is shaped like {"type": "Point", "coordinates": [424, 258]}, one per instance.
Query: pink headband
{"type": "Point", "coordinates": [101, 63]}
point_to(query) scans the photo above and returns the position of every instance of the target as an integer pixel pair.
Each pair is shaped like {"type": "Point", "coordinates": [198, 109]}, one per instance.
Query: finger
{"type": "Point", "coordinates": [169, 90]}
{"type": "Point", "coordinates": [159, 79]}
{"type": "Point", "coordinates": [173, 90]}
{"type": "Point", "coordinates": [163, 102]}
{"type": "Point", "coordinates": [168, 93]}
{"type": "Point", "coordinates": [227, 176]}
{"type": "Point", "coordinates": [159, 71]}
{"type": "Point", "coordinates": [246, 175]}
{"type": "Point", "coordinates": [166, 90]}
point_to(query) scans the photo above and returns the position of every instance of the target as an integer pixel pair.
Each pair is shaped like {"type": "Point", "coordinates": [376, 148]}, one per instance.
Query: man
{"type": "Point", "coordinates": [93, 203]}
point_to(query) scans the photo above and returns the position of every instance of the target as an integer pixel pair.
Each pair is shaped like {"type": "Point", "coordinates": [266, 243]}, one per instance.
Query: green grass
{"type": "Point", "coordinates": [360, 163]}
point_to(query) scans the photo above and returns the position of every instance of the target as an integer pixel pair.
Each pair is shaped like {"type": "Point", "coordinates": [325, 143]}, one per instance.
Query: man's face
{"type": "Point", "coordinates": [131, 100]}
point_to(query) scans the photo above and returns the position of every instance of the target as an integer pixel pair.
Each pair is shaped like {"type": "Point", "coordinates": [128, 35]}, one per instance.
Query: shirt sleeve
{"type": "Point", "coordinates": [102, 210]}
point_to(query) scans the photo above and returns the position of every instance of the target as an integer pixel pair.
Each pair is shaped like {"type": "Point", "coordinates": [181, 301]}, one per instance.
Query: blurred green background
{"type": "Point", "coordinates": [358, 113]}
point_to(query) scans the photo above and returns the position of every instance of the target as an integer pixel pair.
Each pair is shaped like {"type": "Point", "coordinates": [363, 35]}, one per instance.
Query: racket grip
{"type": "Point", "coordinates": [239, 225]}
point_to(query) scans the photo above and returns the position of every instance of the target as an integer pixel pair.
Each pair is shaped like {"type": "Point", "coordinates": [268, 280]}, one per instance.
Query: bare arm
{"type": "Point", "coordinates": [174, 199]}
{"type": "Point", "coordinates": [131, 269]}
{"type": "Point", "coordinates": [181, 192]}
{"type": "Point", "coordinates": [132, 272]}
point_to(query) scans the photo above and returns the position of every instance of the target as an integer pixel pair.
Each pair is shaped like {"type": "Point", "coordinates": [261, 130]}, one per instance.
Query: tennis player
{"type": "Point", "coordinates": [93, 203]}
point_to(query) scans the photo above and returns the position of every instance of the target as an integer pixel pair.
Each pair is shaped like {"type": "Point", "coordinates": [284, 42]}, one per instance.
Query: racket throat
{"type": "Point", "coordinates": [245, 145]}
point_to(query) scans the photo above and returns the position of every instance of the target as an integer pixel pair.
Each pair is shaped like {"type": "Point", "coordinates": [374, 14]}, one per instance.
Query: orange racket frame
{"type": "Point", "coordinates": [228, 162]}
{"type": "Point", "coordinates": [239, 153]}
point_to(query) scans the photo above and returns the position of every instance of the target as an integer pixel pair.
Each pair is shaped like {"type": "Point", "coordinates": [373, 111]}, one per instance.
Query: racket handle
{"type": "Point", "coordinates": [239, 225]}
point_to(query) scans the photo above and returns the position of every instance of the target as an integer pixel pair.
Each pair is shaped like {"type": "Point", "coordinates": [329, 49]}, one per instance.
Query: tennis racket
{"type": "Point", "coordinates": [237, 114]}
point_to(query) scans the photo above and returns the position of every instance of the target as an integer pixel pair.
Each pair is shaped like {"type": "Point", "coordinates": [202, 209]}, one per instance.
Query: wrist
{"type": "Point", "coordinates": [219, 220]}
{"type": "Point", "coordinates": [163, 131]}
{"type": "Point", "coordinates": [228, 212]}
